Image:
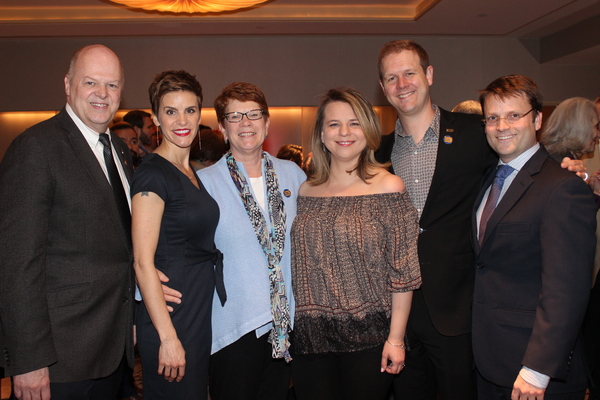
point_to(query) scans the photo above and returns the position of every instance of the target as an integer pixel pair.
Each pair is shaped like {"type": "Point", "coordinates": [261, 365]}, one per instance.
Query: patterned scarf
{"type": "Point", "coordinates": [272, 242]}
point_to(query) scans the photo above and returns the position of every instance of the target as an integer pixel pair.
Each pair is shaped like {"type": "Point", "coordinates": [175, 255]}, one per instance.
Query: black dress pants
{"type": "Point", "coordinates": [434, 363]}
{"type": "Point", "coordinates": [246, 370]}
{"type": "Point", "coordinates": [341, 376]}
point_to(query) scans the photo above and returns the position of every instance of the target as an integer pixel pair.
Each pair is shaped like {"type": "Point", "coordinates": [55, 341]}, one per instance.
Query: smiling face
{"type": "Point", "coordinates": [247, 136]}
{"type": "Point", "coordinates": [178, 118]}
{"type": "Point", "coordinates": [342, 134]}
{"type": "Point", "coordinates": [511, 140]}
{"type": "Point", "coordinates": [405, 84]}
{"type": "Point", "coordinates": [93, 87]}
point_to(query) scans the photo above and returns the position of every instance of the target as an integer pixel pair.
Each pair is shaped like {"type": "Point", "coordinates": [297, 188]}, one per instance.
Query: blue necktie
{"type": "Point", "coordinates": [501, 174]}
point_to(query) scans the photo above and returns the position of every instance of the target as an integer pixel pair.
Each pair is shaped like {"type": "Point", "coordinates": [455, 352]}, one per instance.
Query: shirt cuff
{"type": "Point", "coordinates": [138, 294]}
{"type": "Point", "coordinates": [534, 378]}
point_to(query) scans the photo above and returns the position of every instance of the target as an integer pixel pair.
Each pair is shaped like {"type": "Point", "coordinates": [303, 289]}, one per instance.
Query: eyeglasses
{"type": "Point", "coordinates": [252, 115]}
{"type": "Point", "coordinates": [510, 119]}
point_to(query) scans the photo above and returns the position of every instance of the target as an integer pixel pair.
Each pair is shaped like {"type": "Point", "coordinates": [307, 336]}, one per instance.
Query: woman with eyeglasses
{"type": "Point", "coordinates": [354, 259]}
{"type": "Point", "coordinates": [256, 193]}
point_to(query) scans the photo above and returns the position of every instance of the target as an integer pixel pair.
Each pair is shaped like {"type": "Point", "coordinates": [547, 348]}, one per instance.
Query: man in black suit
{"type": "Point", "coordinates": [65, 261]}
{"type": "Point", "coordinates": [534, 237]}
{"type": "Point", "coordinates": [442, 157]}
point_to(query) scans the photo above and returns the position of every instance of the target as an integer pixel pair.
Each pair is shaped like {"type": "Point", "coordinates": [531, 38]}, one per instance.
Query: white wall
{"type": "Point", "coordinates": [291, 70]}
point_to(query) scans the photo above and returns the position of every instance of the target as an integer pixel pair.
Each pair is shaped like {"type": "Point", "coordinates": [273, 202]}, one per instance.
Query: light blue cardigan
{"type": "Point", "coordinates": [246, 272]}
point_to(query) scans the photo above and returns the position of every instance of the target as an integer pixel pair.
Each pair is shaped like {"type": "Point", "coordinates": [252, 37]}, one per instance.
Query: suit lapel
{"type": "Point", "coordinates": [445, 155]}
{"type": "Point", "coordinates": [516, 190]}
{"type": "Point", "coordinates": [90, 164]}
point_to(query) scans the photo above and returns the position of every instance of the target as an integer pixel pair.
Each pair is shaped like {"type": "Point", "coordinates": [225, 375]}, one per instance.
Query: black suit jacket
{"type": "Point", "coordinates": [533, 276]}
{"type": "Point", "coordinates": [66, 273]}
{"type": "Point", "coordinates": [445, 252]}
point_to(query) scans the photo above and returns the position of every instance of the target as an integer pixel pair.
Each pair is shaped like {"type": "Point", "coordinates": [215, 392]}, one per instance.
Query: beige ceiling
{"type": "Point", "coordinates": [553, 30]}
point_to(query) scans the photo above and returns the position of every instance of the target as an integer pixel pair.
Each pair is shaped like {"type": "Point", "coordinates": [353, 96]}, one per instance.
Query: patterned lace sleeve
{"type": "Point", "coordinates": [401, 229]}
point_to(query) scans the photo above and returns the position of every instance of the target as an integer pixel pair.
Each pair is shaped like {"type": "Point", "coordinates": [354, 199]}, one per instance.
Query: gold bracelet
{"type": "Point", "coordinates": [401, 345]}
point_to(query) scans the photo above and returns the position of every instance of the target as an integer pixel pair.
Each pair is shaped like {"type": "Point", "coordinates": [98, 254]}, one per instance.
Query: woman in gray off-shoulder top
{"type": "Point", "coordinates": [354, 259]}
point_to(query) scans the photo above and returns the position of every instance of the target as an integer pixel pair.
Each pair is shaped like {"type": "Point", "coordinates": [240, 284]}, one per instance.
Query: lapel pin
{"type": "Point", "coordinates": [287, 192]}
{"type": "Point", "coordinates": [448, 139]}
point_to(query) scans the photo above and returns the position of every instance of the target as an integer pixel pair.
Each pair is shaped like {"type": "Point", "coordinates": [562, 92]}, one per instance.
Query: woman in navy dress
{"type": "Point", "coordinates": [173, 225]}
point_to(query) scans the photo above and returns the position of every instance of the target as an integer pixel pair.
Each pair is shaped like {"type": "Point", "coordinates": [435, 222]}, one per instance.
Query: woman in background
{"type": "Point", "coordinates": [354, 259]}
{"type": "Point", "coordinates": [571, 130]}
{"type": "Point", "coordinates": [173, 225]}
{"type": "Point", "coordinates": [291, 152]}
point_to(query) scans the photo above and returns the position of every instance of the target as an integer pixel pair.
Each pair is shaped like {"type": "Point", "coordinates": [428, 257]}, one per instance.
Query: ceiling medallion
{"type": "Point", "coordinates": [190, 6]}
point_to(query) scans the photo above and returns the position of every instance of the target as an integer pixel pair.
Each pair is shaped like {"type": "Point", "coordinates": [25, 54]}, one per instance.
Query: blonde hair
{"type": "Point", "coordinates": [369, 123]}
{"type": "Point", "coordinates": [570, 128]}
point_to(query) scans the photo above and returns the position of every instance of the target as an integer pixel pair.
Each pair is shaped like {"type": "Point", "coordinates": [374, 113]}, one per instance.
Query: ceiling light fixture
{"type": "Point", "coordinates": [190, 6]}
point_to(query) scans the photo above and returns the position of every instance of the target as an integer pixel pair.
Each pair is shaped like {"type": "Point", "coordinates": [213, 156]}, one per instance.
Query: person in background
{"type": "Point", "coordinates": [354, 259]}
{"type": "Point", "coordinates": [291, 152]}
{"type": "Point", "coordinates": [145, 128]}
{"type": "Point", "coordinates": [572, 129]}
{"type": "Point", "coordinates": [127, 134]}
{"type": "Point", "coordinates": [591, 322]}
{"type": "Point", "coordinates": [534, 238]}
{"type": "Point", "coordinates": [468, 107]}
{"type": "Point", "coordinates": [66, 281]}
{"type": "Point", "coordinates": [208, 147]}
{"type": "Point", "coordinates": [173, 227]}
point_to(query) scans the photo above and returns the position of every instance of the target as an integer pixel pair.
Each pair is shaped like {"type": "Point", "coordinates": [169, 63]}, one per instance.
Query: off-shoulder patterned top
{"type": "Point", "coordinates": [348, 255]}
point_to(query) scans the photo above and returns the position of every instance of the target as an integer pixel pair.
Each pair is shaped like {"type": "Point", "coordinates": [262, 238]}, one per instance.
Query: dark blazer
{"type": "Point", "coordinates": [445, 252]}
{"type": "Point", "coordinates": [533, 276]}
{"type": "Point", "coordinates": [66, 273]}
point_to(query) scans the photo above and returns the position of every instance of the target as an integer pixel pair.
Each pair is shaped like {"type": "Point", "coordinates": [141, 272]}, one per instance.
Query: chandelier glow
{"type": "Point", "coordinates": [190, 6]}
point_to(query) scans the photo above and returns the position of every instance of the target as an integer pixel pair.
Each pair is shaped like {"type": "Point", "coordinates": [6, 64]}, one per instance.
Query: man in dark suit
{"type": "Point", "coordinates": [442, 157]}
{"type": "Point", "coordinates": [65, 261]}
{"type": "Point", "coordinates": [534, 237]}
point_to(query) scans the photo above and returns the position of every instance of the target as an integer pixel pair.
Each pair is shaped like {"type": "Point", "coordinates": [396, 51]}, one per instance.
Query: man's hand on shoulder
{"type": "Point", "coordinates": [576, 166]}
{"type": "Point", "coordinates": [34, 385]}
